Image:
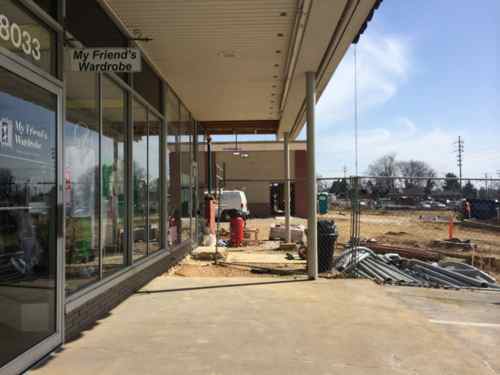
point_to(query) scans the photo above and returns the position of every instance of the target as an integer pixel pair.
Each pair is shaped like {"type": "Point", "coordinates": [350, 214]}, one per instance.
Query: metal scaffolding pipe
{"type": "Point", "coordinates": [287, 188]}
{"type": "Point", "coordinates": [312, 231]}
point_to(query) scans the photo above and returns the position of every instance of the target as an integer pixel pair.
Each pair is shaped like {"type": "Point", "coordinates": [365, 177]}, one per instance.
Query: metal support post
{"type": "Point", "coordinates": [312, 231]}
{"type": "Point", "coordinates": [288, 237]}
{"type": "Point", "coordinates": [209, 165]}
{"type": "Point", "coordinates": [312, 235]}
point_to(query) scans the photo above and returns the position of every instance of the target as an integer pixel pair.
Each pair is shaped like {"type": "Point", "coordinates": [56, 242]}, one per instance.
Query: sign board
{"type": "Point", "coordinates": [23, 140]}
{"type": "Point", "coordinates": [116, 60]}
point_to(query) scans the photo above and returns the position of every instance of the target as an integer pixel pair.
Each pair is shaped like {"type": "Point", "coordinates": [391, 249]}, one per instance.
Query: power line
{"type": "Point", "coordinates": [460, 158]}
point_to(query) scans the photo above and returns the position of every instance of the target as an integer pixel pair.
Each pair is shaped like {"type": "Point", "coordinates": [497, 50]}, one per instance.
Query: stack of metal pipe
{"type": "Point", "coordinates": [393, 269]}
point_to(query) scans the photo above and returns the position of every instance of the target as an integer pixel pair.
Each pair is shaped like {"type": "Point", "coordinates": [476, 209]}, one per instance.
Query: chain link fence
{"type": "Point", "coordinates": [442, 217]}
{"type": "Point", "coordinates": [428, 218]}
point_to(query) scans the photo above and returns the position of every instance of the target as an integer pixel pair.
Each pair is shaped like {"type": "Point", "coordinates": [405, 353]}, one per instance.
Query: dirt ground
{"type": "Point", "coordinates": [403, 228]}
{"type": "Point", "coordinates": [210, 270]}
{"type": "Point", "coordinates": [398, 228]}
{"type": "Point", "coordinates": [386, 227]}
{"type": "Point", "coordinates": [191, 267]}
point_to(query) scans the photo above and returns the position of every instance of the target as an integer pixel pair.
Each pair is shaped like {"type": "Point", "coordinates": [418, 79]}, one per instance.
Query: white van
{"type": "Point", "coordinates": [233, 200]}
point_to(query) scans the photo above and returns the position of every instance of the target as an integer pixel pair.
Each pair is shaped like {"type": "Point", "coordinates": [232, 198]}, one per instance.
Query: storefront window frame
{"type": "Point", "coordinates": [68, 302]}
{"type": "Point", "coordinates": [130, 96]}
{"type": "Point", "coordinates": [53, 25]}
{"type": "Point", "coordinates": [33, 74]}
{"type": "Point", "coordinates": [53, 83]}
{"type": "Point", "coordinates": [126, 178]}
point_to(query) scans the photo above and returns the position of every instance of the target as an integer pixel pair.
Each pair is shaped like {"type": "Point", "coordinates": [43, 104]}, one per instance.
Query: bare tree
{"type": "Point", "coordinates": [386, 166]}
{"type": "Point", "coordinates": [413, 171]}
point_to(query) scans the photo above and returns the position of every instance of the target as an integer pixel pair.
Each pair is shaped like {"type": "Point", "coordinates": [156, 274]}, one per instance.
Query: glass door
{"type": "Point", "coordinates": [30, 232]}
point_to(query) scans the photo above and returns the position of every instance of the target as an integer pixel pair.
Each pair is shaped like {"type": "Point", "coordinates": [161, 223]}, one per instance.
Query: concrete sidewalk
{"type": "Point", "coordinates": [206, 326]}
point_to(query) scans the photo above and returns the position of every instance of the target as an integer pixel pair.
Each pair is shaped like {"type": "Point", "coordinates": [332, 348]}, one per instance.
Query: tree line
{"type": "Point", "coordinates": [410, 177]}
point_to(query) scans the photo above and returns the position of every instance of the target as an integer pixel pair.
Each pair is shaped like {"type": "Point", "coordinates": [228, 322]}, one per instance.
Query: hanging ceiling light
{"type": "Point", "coordinates": [236, 151]}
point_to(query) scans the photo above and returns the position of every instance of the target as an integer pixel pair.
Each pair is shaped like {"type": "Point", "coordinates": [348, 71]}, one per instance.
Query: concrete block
{"type": "Point", "coordinates": [277, 232]}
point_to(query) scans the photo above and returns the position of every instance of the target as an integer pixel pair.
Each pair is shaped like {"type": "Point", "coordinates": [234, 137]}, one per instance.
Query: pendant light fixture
{"type": "Point", "coordinates": [236, 151]}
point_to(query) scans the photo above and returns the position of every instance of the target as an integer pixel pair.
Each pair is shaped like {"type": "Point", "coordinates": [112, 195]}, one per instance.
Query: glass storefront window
{"type": "Point", "coordinates": [155, 125]}
{"type": "Point", "coordinates": [186, 140]}
{"type": "Point", "coordinates": [113, 172]}
{"type": "Point", "coordinates": [146, 180]}
{"type": "Point", "coordinates": [140, 182]}
{"type": "Point", "coordinates": [26, 36]}
{"type": "Point", "coordinates": [81, 185]}
{"type": "Point", "coordinates": [202, 188]}
{"type": "Point", "coordinates": [173, 157]}
{"type": "Point", "coordinates": [28, 197]}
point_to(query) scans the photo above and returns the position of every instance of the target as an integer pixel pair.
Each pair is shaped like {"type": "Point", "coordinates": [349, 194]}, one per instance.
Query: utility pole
{"type": "Point", "coordinates": [460, 151]}
{"type": "Point", "coordinates": [486, 184]}
{"type": "Point", "coordinates": [345, 171]}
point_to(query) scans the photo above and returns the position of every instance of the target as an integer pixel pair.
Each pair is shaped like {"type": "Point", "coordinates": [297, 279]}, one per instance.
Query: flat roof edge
{"type": "Point", "coordinates": [327, 66]}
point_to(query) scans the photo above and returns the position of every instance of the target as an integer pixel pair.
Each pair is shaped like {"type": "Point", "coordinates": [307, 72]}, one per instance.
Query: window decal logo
{"type": "Point", "coordinates": [6, 129]}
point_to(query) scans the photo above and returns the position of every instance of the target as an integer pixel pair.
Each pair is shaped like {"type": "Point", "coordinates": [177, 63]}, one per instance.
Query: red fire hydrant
{"type": "Point", "coordinates": [237, 227]}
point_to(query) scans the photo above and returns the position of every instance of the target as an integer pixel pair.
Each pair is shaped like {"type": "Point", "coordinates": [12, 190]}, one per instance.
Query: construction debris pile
{"type": "Point", "coordinates": [394, 269]}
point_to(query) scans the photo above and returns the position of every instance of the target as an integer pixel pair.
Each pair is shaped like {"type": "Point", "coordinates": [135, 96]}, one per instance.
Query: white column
{"type": "Point", "coordinates": [288, 237]}
{"type": "Point", "coordinates": [312, 235]}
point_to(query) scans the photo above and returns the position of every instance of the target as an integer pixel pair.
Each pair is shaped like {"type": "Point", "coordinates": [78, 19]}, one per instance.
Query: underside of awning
{"type": "Point", "coordinates": [239, 65]}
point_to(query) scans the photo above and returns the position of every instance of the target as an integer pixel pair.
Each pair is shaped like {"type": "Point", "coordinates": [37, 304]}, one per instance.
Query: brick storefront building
{"type": "Point", "coordinates": [255, 173]}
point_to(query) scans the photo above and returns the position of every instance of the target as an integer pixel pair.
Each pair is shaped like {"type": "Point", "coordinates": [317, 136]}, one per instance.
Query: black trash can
{"type": "Point", "coordinates": [327, 238]}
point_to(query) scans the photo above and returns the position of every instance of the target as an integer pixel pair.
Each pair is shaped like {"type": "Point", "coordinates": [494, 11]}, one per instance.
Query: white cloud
{"type": "Point", "coordinates": [434, 146]}
{"type": "Point", "coordinates": [384, 66]}
{"type": "Point", "coordinates": [383, 63]}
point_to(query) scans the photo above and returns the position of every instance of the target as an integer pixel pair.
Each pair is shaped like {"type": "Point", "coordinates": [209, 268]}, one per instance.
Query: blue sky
{"type": "Point", "coordinates": [428, 71]}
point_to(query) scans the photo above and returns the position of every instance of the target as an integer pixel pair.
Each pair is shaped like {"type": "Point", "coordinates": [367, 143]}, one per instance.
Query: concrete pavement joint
{"type": "Point", "coordinates": [472, 324]}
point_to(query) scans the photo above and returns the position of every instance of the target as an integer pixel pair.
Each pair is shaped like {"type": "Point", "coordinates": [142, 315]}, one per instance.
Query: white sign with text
{"type": "Point", "coordinates": [116, 60]}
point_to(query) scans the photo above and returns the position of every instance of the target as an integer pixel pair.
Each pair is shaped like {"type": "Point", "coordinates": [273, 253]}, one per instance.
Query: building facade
{"type": "Point", "coordinates": [99, 172]}
{"type": "Point", "coordinates": [84, 178]}
{"type": "Point", "coordinates": [256, 169]}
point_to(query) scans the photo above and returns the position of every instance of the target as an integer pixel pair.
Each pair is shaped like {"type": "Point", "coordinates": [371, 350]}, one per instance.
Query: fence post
{"type": "Point", "coordinates": [355, 216]}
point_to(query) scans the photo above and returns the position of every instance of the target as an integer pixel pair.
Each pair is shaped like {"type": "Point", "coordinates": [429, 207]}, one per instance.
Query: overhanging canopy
{"type": "Point", "coordinates": [239, 65]}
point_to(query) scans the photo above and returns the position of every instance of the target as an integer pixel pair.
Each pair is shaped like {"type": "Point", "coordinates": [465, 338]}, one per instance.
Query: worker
{"type": "Point", "coordinates": [467, 209]}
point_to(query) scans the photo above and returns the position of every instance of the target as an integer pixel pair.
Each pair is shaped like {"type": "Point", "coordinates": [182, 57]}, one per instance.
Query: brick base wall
{"type": "Point", "coordinates": [86, 316]}
{"type": "Point", "coordinates": [301, 184]}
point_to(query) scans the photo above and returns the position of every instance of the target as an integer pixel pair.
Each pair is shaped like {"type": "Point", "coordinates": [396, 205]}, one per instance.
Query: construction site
{"type": "Point", "coordinates": [416, 292]}
{"type": "Point", "coordinates": [248, 187]}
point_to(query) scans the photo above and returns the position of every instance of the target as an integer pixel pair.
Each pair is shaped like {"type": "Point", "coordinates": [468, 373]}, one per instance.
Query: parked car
{"type": "Point", "coordinates": [439, 205]}
{"type": "Point", "coordinates": [233, 200]}
{"type": "Point", "coordinates": [425, 205]}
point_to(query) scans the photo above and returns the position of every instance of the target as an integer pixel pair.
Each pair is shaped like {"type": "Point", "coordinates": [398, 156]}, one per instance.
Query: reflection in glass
{"type": "Point", "coordinates": [186, 138]}
{"type": "Point", "coordinates": [28, 247]}
{"type": "Point", "coordinates": [202, 188]}
{"type": "Point", "coordinates": [174, 191]}
{"type": "Point", "coordinates": [113, 176]}
{"type": "Point", "coordinates": [81, 174]}
{"type": "Point", "coordinates": [154, 182]}
{"type": "Point", "coordinates": [140, 181]}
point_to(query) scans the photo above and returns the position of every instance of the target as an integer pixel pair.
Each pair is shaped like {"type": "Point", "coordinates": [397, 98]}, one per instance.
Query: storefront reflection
{"type": "Point", "coordinates": [28, 251]}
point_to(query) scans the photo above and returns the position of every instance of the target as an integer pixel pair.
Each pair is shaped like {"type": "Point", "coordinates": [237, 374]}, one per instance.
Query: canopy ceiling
{"type": "Point", "coordinates": [240, 62]}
